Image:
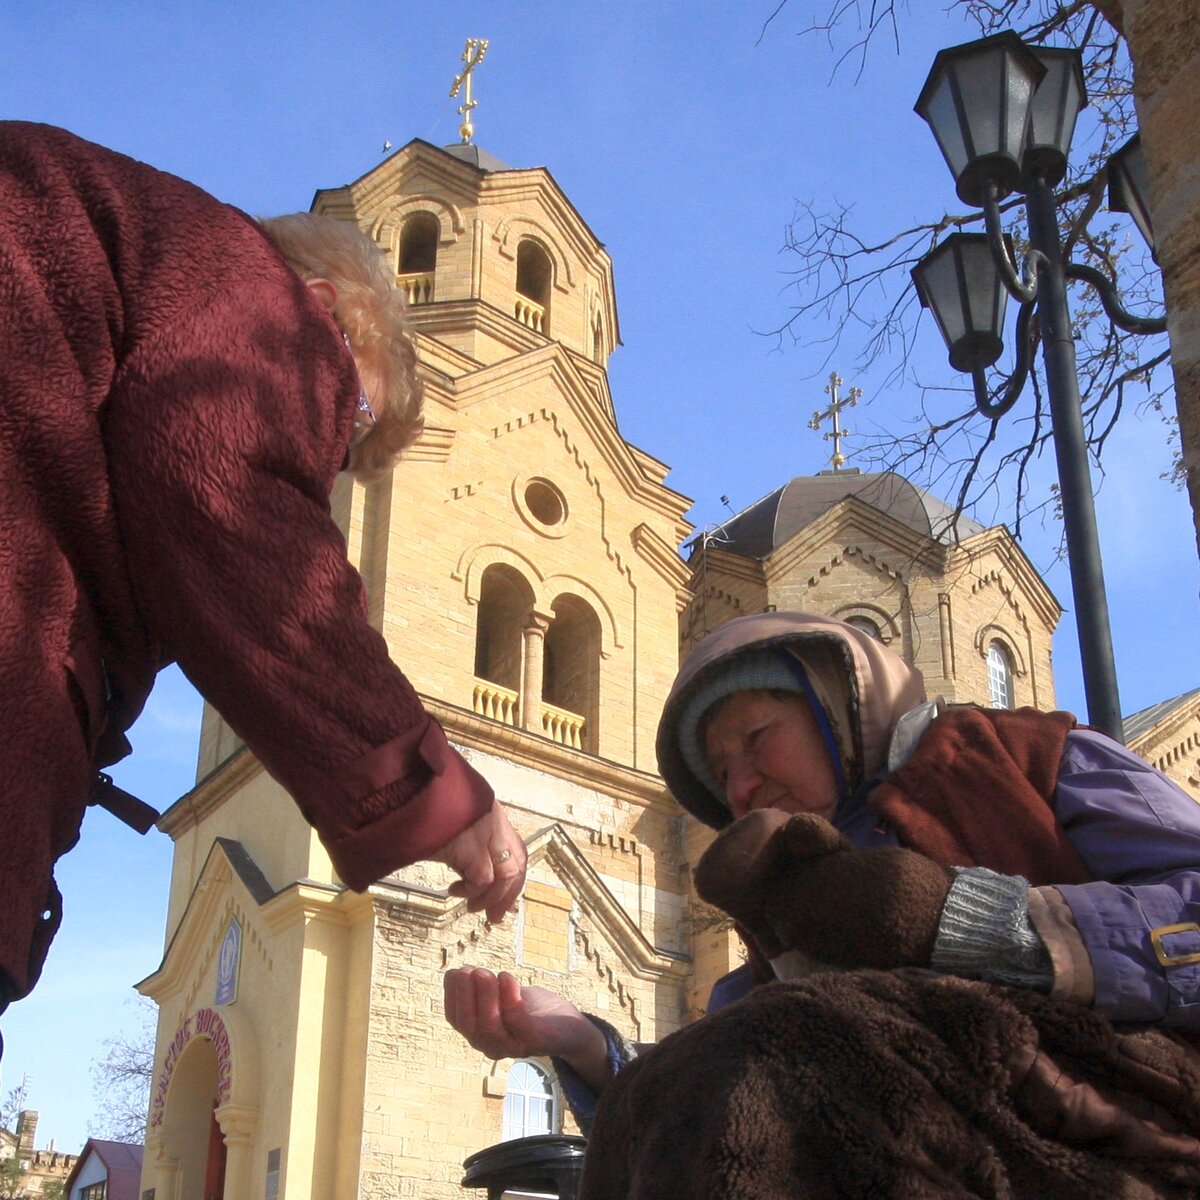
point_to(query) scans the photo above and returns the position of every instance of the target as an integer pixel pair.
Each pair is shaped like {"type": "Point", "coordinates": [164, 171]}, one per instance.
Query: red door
{"type": "Point", "coordinates": [214, 1171]}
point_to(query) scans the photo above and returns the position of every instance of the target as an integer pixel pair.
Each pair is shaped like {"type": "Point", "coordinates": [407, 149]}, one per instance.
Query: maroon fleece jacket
{"type": "Point", "coordinates": [174, 408]}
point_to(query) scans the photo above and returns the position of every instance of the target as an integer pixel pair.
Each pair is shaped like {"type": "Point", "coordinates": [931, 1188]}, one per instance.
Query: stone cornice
{"type": "Point", "coordinates": [308, 900]}
{"type": "Point", "coordinates": [1169, 728]}
{"type": "Point", "coordinates": [194, 929]}
{"type": "Point", "coordinates": [661, 555]}
{"type": "Point", "coordinates": [853, 521]}
{"type": "Point", "coordinates": [466, 728]}
{"type": "Point", "coordinates": [436, 360]}
{"type": "Point", "coordinates": [552, 361]}
{"type": "Point", "coordinates": [210, 793]}
{"type": "Point", "coordinates": [734, 566]}
{"type": "Point", "coordinates": [446, 317]}
{"type": "Point", "coordinates": [371, 190]}
{"type": "Point", "coordinates": [585, 884]}
{"type": "Point", "coordinates": [434, 445]}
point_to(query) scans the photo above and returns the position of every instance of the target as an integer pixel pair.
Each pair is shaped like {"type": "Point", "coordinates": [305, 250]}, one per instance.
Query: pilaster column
{"type": "Point", "coordinates": [533, 667]}
{"type": "Point", "coordinates": [237, 1122]}
{"type": "Point", "coordinates": [167, 1182]}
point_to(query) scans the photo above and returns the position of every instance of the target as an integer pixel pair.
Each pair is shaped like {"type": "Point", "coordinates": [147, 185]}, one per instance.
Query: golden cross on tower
{"type": "Point", "coordinates": [472, 55]}
{"type": "Point", "coordinates": [834, 410]}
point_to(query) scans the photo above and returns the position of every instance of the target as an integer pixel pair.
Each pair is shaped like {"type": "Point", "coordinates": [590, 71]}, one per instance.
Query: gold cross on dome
{"type": "Point", "coordinates": [472, 56]}
{"type": "Point", "coordinates": [834, 411]}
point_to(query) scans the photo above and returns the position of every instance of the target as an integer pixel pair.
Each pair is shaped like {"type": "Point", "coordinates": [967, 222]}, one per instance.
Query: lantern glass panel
{"type": "Point", "coordinates": [960, 283]}
{"type": "Point", "coordinates": [1128, 187]}
{"type": "Point", "coordinates": [942, 114]}
{"type": "Point", "coordinates": [1056, 105]}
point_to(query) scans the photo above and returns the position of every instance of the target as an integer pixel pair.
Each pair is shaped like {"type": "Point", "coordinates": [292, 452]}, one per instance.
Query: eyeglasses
{"type": "Point", "coordinates": [365, 421]}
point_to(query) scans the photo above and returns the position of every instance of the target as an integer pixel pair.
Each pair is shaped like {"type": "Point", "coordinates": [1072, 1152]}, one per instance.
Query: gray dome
{"type": "Point", "coordinates": [775, 519]}
{"type": "Point", "coordinates": [477, 157]}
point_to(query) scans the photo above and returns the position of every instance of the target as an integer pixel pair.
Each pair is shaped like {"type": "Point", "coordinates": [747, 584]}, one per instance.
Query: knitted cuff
{"type": "Point", "coordinates": [580, 1098]}
{"type": "Point", "coordinates": [985, 933]}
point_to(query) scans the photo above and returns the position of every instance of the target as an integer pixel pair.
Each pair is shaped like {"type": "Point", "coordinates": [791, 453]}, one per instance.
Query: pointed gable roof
{"type": "Point", "coordinates": [122, 1165]}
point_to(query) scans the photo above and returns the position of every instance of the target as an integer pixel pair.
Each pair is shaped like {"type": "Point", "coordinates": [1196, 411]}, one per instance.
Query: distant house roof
{"type": "Point", "coordinates": [122, 1165]}
{"type": "Point", "coordinates": [772, 521]}
{"type": "Point", "coordinates": [1145, 720]}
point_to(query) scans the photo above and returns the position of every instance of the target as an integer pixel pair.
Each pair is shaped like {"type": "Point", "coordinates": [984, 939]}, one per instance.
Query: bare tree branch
{"type": "Point", "coordinates": [852, 291]}
{"type": "Point", "coordinates": [121, 1080]}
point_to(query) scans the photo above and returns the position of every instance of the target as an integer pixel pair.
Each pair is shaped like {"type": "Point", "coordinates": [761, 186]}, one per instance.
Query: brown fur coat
{"type": "Point", "coordinates": [900, 1086]}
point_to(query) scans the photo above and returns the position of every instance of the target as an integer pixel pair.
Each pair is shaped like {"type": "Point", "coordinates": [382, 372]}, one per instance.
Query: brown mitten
{"type": "Point", "coordinates": [798, 884]}
{"type": "Point", "coordinates": [736, 872]}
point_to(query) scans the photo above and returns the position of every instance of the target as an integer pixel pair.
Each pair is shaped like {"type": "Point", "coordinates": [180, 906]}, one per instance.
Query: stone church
{"type": "Point", "coordinates": [523, 563]}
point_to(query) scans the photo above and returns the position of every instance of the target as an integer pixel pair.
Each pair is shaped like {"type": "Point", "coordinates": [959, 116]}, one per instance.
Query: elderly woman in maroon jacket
{"type": "Point", "coordinates": [179, 388]}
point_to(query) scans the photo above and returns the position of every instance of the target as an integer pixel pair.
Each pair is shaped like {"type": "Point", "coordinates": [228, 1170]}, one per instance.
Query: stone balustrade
{"type": "Point", "coordinates": [417, 286]}
{"type": "Point", "coordinates": [565, 728]}
{"type": "Point", "coordinates": [499, 703]}
{"type": "Point", "coordinates": [530, 314]}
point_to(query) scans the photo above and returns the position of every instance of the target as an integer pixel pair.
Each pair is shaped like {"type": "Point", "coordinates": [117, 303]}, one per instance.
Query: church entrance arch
{"type": "Point", "coordinates": [188, 1122]}
{"type": "Point", "coordinates": [193, 1085]}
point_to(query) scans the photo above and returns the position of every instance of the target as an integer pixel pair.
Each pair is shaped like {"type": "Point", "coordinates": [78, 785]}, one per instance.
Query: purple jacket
{"type": "Point", "coordinates": [1139, 835]}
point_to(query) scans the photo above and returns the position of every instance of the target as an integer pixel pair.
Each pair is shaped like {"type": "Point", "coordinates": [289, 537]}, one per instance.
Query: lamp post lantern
{"type": "Point", "coordinates": [1003, 114]}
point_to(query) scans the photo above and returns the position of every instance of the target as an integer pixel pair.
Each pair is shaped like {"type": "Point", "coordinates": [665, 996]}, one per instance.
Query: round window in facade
{"type": "Point", "coordinates": [542, 504]}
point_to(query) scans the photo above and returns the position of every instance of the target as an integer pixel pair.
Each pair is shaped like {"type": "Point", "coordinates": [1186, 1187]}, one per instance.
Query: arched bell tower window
{"type": "Point", "coordinates": [535, 274]}
{"type": "Point", "coordinates": [505, 601]}
{"type": "Point", "coordinates": [1000, 676]}
{"type": "Point", "coordinates": [418, 256]}
{"type": "Point", "coordinates": [571, 679]}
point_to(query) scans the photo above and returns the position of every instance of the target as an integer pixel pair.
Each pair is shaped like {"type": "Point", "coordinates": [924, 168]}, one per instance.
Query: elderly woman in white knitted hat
{"type": "Point", "coordinates": [864, 827]}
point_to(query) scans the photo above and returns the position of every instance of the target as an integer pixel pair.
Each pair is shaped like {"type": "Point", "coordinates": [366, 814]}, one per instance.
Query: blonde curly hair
{"type": "Point", "coordinates": [372, 313]}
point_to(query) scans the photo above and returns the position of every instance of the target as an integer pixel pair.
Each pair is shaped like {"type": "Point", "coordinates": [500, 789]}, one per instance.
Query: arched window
{"type": "Point", "coordinates": [1000, 676]}
{"type": "Point", "coordinates": [571, 678]}
{"type": "Point", "coordinates": [530, 1104]}
{"type": "Point", "coordinates": [866, 625]}
{"type": "Point", "coordinates": [597, 339]}
{"type": "Point", "coordinates": [505, 600]}
{"type": "Point", "coordinates": [418, 256]}
{"type": "Point", "coordinates": [535, 273]}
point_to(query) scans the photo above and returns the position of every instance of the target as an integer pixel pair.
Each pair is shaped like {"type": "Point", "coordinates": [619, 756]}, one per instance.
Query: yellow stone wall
{"type": "Point", "coordinates": [341, 1056]}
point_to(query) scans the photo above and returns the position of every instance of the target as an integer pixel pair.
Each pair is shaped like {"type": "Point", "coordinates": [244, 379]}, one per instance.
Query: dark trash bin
{"type": "Point", "coordinates": [550, 1163]}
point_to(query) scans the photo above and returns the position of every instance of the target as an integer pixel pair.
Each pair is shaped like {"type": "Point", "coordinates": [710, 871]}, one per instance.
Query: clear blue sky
{"type": "Point", "coordinates": [683, 140]}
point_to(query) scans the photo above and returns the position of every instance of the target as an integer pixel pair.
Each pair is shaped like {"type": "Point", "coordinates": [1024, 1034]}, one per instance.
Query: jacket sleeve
{"type": "Point", "coordinates": [224, 433]}
{"type": "Point", "coordinates": [1140, 836]}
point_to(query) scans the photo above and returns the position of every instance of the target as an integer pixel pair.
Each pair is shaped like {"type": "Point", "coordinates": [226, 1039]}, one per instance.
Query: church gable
{"type": "Point", "coordinates": [230, 887]}
{"type": "Point", "coordinates": [549, 538]}
{"type": "Point", "coordinates": [852, 561]}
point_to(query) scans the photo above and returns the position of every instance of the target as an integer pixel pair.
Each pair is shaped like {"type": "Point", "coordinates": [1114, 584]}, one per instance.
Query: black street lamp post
{"type": "Point", "coordinates": [1003, 114]}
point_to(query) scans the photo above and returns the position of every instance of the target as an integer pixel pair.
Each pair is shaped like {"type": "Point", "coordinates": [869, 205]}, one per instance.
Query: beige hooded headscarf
{"type": "Point", "coordinates": [863, 687]}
